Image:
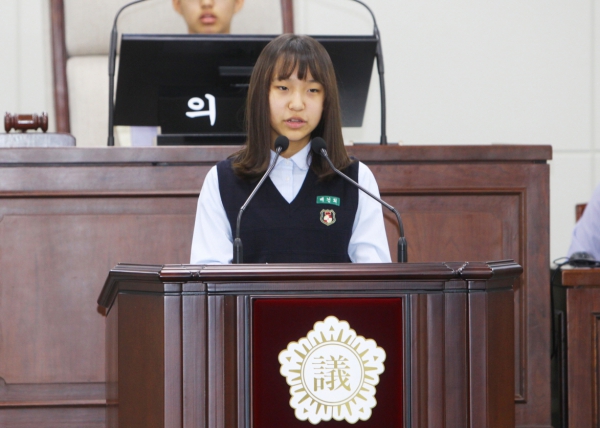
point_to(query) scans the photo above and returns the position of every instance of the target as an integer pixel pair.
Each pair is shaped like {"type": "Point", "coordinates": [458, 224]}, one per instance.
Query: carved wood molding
{"type": "Point", "coordinates": [40, 395]}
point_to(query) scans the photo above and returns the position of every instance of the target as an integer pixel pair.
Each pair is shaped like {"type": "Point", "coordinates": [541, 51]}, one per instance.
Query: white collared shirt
{"type": "Point", "coordinates": [212, 242]}
{"type": "Point", "coordinates": [586, 234]}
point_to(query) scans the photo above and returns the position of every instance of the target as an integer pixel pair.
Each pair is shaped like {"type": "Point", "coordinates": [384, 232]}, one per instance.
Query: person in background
{"type": "Point", "coordinates": [208, 16]}
{"type": "Point", "coordinates": [201, 17]}
{"type": "Point", "coordinates": [586, 234]}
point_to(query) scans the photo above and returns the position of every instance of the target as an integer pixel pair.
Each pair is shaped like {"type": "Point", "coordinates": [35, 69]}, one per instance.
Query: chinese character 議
{"type": "Point", "coordinates": [334, 373]}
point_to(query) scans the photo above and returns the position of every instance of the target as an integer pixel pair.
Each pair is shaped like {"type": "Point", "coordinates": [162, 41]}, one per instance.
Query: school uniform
{"type": "Point", "coordinates": [292, 218]}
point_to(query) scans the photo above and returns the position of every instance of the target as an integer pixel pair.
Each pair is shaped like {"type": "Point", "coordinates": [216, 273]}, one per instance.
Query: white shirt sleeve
{"type": "Point", "coordinates": [368, 243]}
{"type": "Point", "coordinates": [212, 242]}
{"type": "Point", "coordinates": [586, 234]}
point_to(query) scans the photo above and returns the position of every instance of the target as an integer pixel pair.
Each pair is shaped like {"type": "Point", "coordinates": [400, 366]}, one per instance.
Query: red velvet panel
{"type": "Point", "coordinates": [276, 322]}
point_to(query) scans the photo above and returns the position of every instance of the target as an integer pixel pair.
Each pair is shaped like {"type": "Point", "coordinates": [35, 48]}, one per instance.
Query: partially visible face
{"type": "Point", "coordinates": [296, 108]}
{"type": "Point", "coordinates": [208, 16]}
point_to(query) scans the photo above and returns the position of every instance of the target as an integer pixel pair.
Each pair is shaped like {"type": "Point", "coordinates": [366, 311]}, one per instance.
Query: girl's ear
{"type": "Point", "coordinates": [237, 7]}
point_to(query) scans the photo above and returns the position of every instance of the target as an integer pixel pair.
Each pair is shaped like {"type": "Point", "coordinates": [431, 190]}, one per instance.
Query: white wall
{"type": "Point", "coordinates": [472, 72]}
{"type": "Point", "coordinates": [458, 72]}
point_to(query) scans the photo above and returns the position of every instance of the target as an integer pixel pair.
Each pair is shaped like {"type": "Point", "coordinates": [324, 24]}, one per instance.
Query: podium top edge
{"type": "Point", "coordinates": [169, 278]}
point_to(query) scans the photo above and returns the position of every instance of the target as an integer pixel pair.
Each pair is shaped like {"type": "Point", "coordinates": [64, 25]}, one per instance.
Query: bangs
{"type": "Point", "coordinates": [302, 57]}
{"type": "Point", "coordinates": [280, 58]}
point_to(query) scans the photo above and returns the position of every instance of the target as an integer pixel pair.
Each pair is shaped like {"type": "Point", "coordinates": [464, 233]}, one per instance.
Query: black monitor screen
{"type": "Point", "coordinates": [198, 83]}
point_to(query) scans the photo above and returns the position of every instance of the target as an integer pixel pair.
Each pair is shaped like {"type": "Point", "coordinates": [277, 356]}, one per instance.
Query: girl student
{"type": "Point", "coordinates": [304, 212]}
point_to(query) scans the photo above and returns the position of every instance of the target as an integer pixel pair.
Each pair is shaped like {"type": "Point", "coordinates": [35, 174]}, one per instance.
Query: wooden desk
{"type": "Point", "coordinates": [68, 215]}
{"type": "Point", "coordinates": [583, 345]}
{"type": "Point", "coordinates": [36, 139]}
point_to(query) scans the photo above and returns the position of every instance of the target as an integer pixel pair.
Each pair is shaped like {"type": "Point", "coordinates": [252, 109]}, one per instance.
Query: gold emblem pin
{"type": "Point", "coordinates": [327, 217]}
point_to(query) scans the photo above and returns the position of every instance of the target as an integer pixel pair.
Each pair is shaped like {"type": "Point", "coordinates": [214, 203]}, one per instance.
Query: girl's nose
{"type": "Point", "coordinates": [296, 102]}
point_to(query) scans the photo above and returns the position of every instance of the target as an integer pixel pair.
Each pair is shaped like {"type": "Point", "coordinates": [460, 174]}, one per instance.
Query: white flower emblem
{"type": "Point", "coordinates": [332, 373]}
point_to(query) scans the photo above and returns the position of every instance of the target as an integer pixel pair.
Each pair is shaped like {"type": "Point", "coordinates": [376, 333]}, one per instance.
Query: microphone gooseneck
{"type": "Point", "coordinates": [379, 57]}
{"type": "Point", "coordinates": [319, 147]}
{"type": "Point", "coordinates": [112, 58]}
{"type": "Point", "coordinates": [281, 145]}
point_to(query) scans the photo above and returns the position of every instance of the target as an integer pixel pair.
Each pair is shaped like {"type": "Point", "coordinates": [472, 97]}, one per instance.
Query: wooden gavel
{"type": "Point", "coordinates": [24, 122]}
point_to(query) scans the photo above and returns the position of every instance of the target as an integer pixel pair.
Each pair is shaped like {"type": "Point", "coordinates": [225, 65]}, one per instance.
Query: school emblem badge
{"type": "Point", "coordinates": [332, 373]}
{"type": "Point", "coordinates": [327, 217]}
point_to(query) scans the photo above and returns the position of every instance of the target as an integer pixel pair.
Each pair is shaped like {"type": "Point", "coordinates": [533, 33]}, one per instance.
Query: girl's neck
{"type": "Point", "coordinates": [295, 147]}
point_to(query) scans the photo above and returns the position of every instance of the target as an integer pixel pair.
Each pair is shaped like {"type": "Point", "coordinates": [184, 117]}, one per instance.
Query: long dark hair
{"type": "Point", "coordinates": [279, 59]}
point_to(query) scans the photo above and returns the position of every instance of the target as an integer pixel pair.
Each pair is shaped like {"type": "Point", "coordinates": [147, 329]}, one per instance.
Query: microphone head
{"type": "Point", "coordinates": [282, 142]}
{"type": "Point", "coordinates": [317, 144]}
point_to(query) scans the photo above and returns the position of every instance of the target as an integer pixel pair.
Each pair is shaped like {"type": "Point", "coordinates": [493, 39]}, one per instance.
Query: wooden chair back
{"type": "Point", "coordinates": [77, 37]}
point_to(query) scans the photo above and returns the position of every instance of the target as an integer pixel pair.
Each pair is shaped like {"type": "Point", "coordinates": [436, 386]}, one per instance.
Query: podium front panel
{"type": "Point", "coordinates": [278, 322]}
{"type": "Point", "coordinates": [251, 346]}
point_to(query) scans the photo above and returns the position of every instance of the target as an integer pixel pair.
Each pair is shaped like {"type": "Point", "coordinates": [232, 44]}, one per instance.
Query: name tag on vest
{"type": "Point", "coordinates": [328, 200]}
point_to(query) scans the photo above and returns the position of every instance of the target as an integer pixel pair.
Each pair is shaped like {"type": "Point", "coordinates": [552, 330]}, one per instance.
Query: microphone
{"type": "Point", "coordinates": [112, 57]}
{"type": "Point", "coordinates": [319, 147]}
{"type": "Point", "coordinates": [379, 57]}
{"type": "Point", "coordinates": [281, 144]}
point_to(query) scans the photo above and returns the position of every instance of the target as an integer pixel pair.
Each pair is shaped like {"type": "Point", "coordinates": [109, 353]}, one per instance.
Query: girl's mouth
{"type": "Point", "coordinates": [295, 122]}
{"type": "Point", "coordinates": [208, 18]}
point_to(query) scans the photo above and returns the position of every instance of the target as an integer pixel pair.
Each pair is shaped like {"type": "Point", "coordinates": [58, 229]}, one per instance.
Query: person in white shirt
{"type": "Point", "coordinates": [586, 234]}
{"type": "Point", "coordinates": [303, 212]}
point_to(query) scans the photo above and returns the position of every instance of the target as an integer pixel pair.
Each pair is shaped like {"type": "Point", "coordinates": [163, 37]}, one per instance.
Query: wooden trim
{"type": "Point", "coordinates": [209, 155]}
{"type": "Point", "coordinates": [59, 66]}
{"type": "Point", "coordinates": [456, 353]}
{"type": "Point", "coordinates": [595, 349]}
{"type": "Point", "coordinates": [194, 360]}
{"type": "Point", "coordinates": [579, 209]}
{"type": "Point", "coordinates": [581, 277]}
{"type": "Point", "coordinates": [216, 401]}
{"type": "Point", "coordinates": [55, 403]}
{"type": "Point", "coordinates": [173, 364]}
{"type": "Point", "coordinates": [102, 194]}
{"type": "Point", "coordinates": [287, 15]}
{"type": "Point", "coordinates": [42, 395]}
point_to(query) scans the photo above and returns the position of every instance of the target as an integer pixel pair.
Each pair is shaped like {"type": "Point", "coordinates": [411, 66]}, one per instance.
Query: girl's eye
{"type": "Point", "coordinates": [282, 88]}
{"type": "Point", "coordinates": [314, 90]}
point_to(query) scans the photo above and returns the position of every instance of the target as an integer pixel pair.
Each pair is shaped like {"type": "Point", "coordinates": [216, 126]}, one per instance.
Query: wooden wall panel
{"type": "Point", "coordinates": [69, 215]}
{"type": "Point", "coordinates": [65, 228]}
{"type": "Point", "coordinates": [489, 212]}
{"type": "Point", "coordinates": [60, 351]}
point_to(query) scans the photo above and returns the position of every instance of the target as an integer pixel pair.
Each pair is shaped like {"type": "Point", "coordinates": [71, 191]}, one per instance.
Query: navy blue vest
{"type": "Point", "coordinates": [304, 231]}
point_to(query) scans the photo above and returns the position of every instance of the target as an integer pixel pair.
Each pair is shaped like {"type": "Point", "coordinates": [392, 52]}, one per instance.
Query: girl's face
{"type": "Point", "coordinates": [296, 107]}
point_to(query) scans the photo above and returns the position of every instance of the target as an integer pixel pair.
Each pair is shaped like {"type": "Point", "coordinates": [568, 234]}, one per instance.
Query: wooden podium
{"type": "Point", "coordinates": [199, 346]}
{"type": "Point", "coordinates": [582, 286]}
